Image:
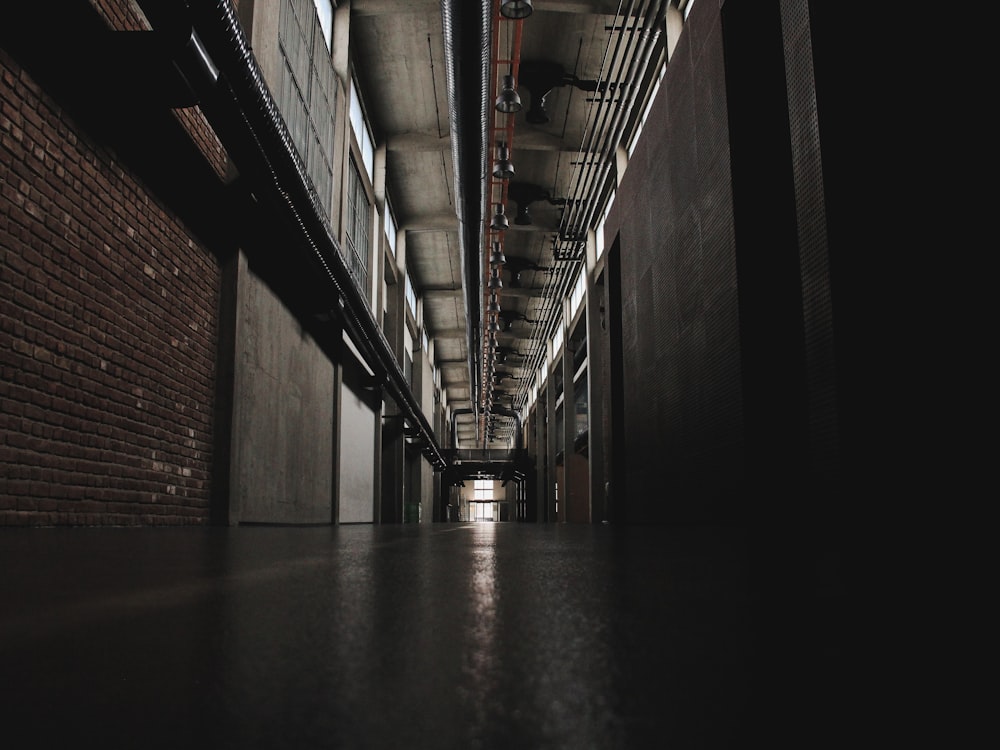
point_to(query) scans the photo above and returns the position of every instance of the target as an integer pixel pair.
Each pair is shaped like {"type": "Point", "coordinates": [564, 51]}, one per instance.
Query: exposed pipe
{"type": "Point", "coordinates": [244, 115]}
{"type": "Point", "coordinates": [467, 56]}
{"type": "Point", "coordinates": [454, 424]}
{"type": "Point", "coordinates": [517, 418]}
{"type": "Point", "coordinates": [496, 63]}
{"type": "Point", "coordinates": [602, 129]}
{"type": "Point", "coordinates": [640, 61]}
{"type": "Point", "coordinates": [574, 221]}
{"type": "Point", "coordinates": [558, 279]}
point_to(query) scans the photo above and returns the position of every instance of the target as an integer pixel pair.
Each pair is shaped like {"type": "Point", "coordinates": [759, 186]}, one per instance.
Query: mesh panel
{"type": "Point", "coordinates": [680, 325]}
{"type": "Point", "coordinates": [811, 219]}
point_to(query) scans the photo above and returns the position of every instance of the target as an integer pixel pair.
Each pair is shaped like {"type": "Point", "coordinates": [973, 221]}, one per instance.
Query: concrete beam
{"type": "Point", "coordinates": [448, 333]}
{"type": "Point", "coordinates": [537, 140]}
{"type": "Point", "coordinates": [393, 7]}
{"type": "Point", "coordinates": [443, 222]}
{"type": "Point", "coordinates": [428, 141]}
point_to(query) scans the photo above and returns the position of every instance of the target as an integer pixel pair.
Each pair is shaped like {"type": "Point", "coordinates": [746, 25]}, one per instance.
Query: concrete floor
{"type": "Point", "coordinates": [446, 636]}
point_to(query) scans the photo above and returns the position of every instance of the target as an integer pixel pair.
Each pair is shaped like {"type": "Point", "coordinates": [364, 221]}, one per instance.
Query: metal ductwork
{"type": "Point", "coordinates": [467, 32]}
{"type": "Point", "coordinates": [454, 424]}
{"type": "Point", "coordinates": [241, 110]}
{"type": "Point", "coordinates": [518, 443]}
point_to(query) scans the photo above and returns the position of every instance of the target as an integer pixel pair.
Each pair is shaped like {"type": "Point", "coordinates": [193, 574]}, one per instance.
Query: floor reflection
{"type": "Point", "coordinates": [479, 635]}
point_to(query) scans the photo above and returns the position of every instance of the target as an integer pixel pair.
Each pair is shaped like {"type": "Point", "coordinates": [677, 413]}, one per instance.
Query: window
{"type": "Point", "coordinates": [390, 228]}
{"type": "Point", "coordinates": [579, 291]}
{"type": "Point", "coordinates": [408, 355]}
{"type": "Point", "coordinates": [324, 9]}
{"type": "Point", "coordinates": [359, 216]}
{"type": "Point", "coordinates": [649, 105]}
{"type": "Point", "coordinates": [557, 342]}
{"type": "Point", "coordinates": [600, 226]}
{"type": "Point", "coordinates": [411, 297]}
{"type": "Point", "coordinates": [483, 490]}
{"type": "Point", "coordinates": [361, 132]}
{"type": "Point", "coordinates": [308, 90]}
{"type": "Point", "coordinates": [481, 511]}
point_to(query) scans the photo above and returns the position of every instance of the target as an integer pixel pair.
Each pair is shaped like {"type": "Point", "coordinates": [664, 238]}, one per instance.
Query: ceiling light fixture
{"type": "Point", "coordinates": [509, 101]}
{"type": "Point", "coordinates": [497, 258]}
{"type": "Point", "coordinates": [504, 168]}
{"type": "Point", "coordinates": [499, 223]}
{"type": "Point", "coordinates": [516, 8]}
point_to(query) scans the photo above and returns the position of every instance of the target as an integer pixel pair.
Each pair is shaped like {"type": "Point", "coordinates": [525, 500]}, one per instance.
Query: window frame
{"type": "Point", "coordinates": [358, 195]}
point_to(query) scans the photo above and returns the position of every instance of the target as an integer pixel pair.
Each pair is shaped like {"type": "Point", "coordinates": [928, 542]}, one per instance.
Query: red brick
{"type": "Point", "coordinates": [77, 231]}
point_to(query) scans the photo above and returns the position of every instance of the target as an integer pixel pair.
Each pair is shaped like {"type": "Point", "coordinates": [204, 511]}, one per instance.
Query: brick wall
{"type": "Point", "coordinates": [108, 312]}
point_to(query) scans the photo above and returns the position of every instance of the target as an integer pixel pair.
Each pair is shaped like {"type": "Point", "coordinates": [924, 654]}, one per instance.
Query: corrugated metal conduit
{"type": "Point", "coordinates": [467, 34]}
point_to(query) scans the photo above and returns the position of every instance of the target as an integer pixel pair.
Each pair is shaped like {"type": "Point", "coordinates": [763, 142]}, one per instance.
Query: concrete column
{"type": "Point", "coordinates": [342, 41]}
{"type": "Point", "coordinates": [393, 465]}
{"type": "Point", "coordinates": [261, 20]}
{"type": "Point", "coordinates": [423, 388]}
{"type": "Point", "coordinates": [392, 444]}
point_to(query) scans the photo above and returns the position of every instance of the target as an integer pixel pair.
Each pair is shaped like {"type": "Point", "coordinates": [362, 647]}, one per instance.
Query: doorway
{"type": "Point", "coordinates": [483, 511]}
{"type": "Point", "coordinates": [615, 490]}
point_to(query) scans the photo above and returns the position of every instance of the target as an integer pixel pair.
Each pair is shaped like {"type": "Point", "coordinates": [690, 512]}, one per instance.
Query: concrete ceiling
{"type": "Point", "coordinates": [399, 56]}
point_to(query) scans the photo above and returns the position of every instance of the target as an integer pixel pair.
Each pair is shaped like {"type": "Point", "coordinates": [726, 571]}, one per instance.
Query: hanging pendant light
{"type": "Point", "coordinates": [504, 168]}
{"type": "Point", "coordinates": [495, 281]}
{"type": "Point", "coordinates": [494, 306]}
{"type": "Point", "coordinates": [509, 101]}
{"type": "Point", "coordinates": [497, 258]}
{"type": "Point", "coordinates": [516, 8]}
{"type": "Point", "coordinates": [499, 222]}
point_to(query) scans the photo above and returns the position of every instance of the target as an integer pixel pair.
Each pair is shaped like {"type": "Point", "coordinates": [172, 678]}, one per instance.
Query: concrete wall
{"type": "Point", "coordinates": [357, 447]}
{"type": "Point", "coordinates": [283, 415]}
{"type": "Point", "coordinates": [423, 385]}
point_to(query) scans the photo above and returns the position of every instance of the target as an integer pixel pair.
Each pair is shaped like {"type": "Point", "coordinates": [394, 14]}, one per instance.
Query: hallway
{"type": "Point", "coordinates": [454, 636]}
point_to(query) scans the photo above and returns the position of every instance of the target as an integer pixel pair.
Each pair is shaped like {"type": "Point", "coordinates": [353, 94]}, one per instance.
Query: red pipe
{"type": "Point", "coordinates": [507, 128]}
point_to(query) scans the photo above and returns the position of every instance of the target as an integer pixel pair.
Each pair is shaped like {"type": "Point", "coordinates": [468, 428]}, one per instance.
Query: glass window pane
{"type": "Point", "coordinates": [324, 9]}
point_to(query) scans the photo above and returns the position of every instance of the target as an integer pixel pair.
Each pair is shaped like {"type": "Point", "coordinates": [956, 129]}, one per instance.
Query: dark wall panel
{"type": "Point", "coordinates": [683, 421]}
{"type": "Point", "coordinates": [743, 316]}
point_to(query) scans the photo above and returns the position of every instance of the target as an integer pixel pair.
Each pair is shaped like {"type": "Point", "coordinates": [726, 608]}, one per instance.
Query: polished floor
{"type": "Point", "coordinates": [436, 636]}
